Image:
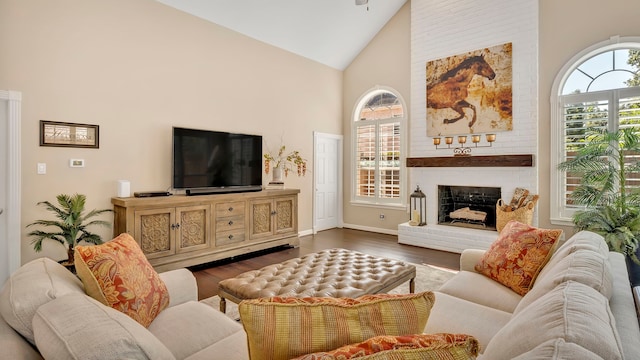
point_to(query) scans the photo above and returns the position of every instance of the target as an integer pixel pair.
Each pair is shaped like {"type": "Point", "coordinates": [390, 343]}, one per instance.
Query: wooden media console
{"type": "Point", "coordinates": [178, 231]}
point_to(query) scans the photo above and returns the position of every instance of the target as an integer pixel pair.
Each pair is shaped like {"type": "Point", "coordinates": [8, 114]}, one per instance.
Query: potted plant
{"type": "Point", "coordinates": [71, 224]}
{"type": "Point", "coordinates": [611, 206]}
{"type": "Point", "coordinates": [285, 162]}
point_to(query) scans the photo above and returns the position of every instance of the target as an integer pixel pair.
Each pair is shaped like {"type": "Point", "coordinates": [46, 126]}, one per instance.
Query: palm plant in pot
{"type": "Point", "coordinates": [71, 224]}
{"type": "Point", "coordinates": [611, 207]}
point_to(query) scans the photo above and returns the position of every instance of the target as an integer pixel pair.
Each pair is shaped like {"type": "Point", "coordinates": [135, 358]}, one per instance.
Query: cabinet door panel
{"type": "Point", "coordinates": [194, 229]}
{"type": "Point", "coordinates": [261, 224]}
{"type": "Point", "coordinates": [154, 233]}
{"type": "Point", "coordinates": [285, 211]}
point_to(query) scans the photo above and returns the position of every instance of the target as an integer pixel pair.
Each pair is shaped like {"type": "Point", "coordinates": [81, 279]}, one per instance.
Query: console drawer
{"type": "Point", "coordinates": [232, 208]}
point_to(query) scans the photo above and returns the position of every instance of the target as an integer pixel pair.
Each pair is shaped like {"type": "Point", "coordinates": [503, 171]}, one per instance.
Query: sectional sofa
{"type": "Point", "coordinates": [580, 307]}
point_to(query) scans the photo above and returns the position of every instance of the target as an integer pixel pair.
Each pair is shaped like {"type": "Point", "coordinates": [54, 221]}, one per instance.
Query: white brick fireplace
{"type": "Point", "coordinates": [441, 29]}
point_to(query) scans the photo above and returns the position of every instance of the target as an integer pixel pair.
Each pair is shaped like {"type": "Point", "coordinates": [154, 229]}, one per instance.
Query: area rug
{"type": "Point", "coordinates": [428, 277]}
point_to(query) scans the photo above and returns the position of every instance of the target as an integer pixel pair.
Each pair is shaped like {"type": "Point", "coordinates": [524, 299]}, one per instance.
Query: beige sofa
{"type": "Point", "coordinates": [45, 313]}
{"type": "Point", "coordinates": [580, 307]}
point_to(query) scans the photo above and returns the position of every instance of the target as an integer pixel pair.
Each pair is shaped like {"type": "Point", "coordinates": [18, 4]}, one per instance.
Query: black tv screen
{"type": "Point", "coordinates": [213, 161]}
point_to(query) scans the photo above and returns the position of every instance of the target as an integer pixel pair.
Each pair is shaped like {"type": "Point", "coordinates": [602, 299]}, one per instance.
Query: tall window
{"type": "Point", "coordinates": [600, 90]}
{"type": "Point", "coordinates": [378, 136]}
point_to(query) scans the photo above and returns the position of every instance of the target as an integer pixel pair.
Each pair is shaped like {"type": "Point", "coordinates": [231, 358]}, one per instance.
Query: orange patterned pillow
{"type": "Point", "coordinates": [282, 328]}
{"type": "Point", "coordinates": [422, 346]}
{"type": "Point", "coordinates": [518, 255]}
{"type": "Point", "coordinates": [118, 275]}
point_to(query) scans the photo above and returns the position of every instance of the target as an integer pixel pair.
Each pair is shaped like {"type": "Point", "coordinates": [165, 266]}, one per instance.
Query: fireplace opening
{"type": "Point", "coordinates": [468, 206]}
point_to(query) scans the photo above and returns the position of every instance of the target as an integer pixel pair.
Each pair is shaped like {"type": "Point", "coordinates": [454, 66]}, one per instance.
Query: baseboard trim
{"type": "Point", "coordinates": [305, 232]}
{"type": "Point", "coordinates": [371, 229]}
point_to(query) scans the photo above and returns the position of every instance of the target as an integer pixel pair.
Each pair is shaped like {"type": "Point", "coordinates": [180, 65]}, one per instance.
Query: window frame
{"type": "Point", "coordinates": [560, 214]}
{"type": "Point", "coordinates": [377, 201]}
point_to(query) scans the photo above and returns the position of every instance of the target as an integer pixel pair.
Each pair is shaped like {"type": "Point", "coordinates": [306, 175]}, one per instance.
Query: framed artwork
{"type": "Point", "coordinates": [470, 93]}
{"type": "Point", "coordinates": [62, 134]}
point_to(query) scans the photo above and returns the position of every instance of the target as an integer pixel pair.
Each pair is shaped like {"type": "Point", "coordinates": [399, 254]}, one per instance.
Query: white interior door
{"type": "Point", "coordinates": [9, 183]}
{"type": "Point", "coordinates": [327, 207]}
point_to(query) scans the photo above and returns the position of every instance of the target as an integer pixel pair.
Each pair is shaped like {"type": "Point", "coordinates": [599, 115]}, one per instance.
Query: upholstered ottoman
{"type": "Point", "coordinates": [328, 273]}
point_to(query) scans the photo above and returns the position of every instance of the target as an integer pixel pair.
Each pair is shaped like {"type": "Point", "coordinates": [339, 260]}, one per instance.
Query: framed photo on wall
{"type": "Point", "coordinates": [63, 134]}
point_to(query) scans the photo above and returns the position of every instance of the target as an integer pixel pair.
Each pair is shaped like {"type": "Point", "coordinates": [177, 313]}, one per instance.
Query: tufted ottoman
{"type": "Point", "coordinates": [328, 273]}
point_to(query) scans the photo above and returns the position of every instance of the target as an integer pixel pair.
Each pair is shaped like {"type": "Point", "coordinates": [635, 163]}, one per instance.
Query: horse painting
{"type": "Point", "coordinates": [450, 90]}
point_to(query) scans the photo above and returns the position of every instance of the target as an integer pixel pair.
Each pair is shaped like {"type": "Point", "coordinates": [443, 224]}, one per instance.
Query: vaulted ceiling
{"type": "Point", "coordinates": [331, 32]}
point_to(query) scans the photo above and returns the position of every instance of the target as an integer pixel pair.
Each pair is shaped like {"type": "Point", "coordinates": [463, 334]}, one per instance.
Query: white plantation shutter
{"type": "Point", "coordinates": [389, 164]}
{"type": "Point", "coordinates": [378, 149]}
{"type": "Point", "coordinates": [610, 110]}
{"type": "Point", "coordinates": [366, 156]}
{"type": "Point", "coordinates": [595, 90]}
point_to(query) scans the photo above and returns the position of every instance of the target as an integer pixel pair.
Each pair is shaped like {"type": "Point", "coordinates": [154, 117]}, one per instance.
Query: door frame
{"type": "Point", "coordinates": [13, 182]}
{"type": "Point", "coordinates": [339, 174]}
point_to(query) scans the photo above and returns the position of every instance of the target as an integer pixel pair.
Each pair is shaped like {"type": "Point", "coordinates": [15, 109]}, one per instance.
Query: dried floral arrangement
{"type": "Point", "coordinates": [286, 161]}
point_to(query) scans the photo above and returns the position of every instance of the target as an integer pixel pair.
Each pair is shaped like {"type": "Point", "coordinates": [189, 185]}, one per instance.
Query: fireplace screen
{"type": "Point", "coordinates": [468, 206]}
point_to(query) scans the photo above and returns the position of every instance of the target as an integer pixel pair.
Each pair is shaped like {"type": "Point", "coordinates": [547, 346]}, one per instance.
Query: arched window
{"type": "Point", "coordinates": [599, 89]}
{"type": "Point", "coordinates": [378, 137]}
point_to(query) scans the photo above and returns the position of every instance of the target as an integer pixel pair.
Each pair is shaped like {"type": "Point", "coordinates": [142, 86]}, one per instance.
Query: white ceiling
{"type": "Point", "coordinates": [331, 32]}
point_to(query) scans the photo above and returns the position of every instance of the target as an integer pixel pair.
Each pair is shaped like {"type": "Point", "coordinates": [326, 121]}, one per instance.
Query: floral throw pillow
{"type": "Point", "coordinates": [420, 346]}
{"type": "Point", "coordinates": [518, 255]}
{"type": "Point", "coordinates": [118, 275]}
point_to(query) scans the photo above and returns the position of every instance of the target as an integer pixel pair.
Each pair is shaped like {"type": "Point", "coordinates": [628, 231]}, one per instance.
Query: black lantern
{"type": "Point", "coordinates": [418, 208]}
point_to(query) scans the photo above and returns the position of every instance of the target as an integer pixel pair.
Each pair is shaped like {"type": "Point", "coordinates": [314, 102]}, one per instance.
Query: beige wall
{"type": "Point", "coordinates": [384, 62]}
{"type": "Point", "coordinates": [136, 68]}
{"type": "Point", "coordinates": [566, 28]}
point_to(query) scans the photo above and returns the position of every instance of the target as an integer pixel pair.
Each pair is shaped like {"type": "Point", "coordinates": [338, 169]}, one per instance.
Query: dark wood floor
{"type": "Point", "coordinates": [209, 275]}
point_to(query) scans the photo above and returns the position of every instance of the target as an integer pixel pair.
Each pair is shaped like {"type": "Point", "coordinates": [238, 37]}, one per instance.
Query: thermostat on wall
{"type": "Point", "coordinates": [76, 162]}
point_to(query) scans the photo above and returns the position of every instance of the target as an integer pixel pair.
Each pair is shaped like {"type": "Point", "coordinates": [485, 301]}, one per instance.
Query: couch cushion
{"type": "Point", "coordinates": [484, 291]}
{"type": "Point", "coordinates": [76, 326]}
{"type": "Point", "coordinates": [584, 266]}
{"type": "Point", "coordinates": [583, 240]}
{"type": "Point", "coordinates": [118, 274]}
{"type": "Point", "coordinates": [194, 327]}
{"type": "Point", "coordinates": [516, 257]}
{"type": "Point", "coordinates": [623, 306]}
{"type": "Point", "coordinates": [573, 312]}
{"type": "Point", "coordinates": [12, 343]}
{"type": "Point", "coordinates": [454, 315]}
{"type": "Point", "coordinates": [558, 349]}
{"type": "Point", "coordinates": [283, 328]}
{"type": "Point", "coordinates": [33, 284]}
{"type": "Point", "coordinates": [418, 346]}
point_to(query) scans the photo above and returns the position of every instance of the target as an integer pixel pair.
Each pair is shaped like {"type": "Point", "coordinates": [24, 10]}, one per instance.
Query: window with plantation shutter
{"type": "Point", "coordinates": [378, 137]}
{"type": "Point", "coordinates": [599, 92]}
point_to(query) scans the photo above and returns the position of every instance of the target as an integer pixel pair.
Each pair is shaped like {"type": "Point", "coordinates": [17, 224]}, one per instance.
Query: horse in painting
{"type": "Point", "coordinates": [450, 90]}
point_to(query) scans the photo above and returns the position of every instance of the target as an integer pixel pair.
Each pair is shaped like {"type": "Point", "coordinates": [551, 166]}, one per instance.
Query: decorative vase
{"type": "Point", "coordinates": [277, 175]}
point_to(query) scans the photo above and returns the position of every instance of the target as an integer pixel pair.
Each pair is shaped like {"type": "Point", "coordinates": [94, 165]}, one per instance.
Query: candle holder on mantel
{"type": "Point", "coordinates": [463, 150]}
{"type": "Point", "coordinates": [418, 208]}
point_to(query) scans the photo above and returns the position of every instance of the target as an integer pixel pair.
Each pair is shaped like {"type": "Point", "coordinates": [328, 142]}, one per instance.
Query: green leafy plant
{"type": "Point", "coordinates": [71, 224]}
{"type": "Point", "coordinates": [611, 206]}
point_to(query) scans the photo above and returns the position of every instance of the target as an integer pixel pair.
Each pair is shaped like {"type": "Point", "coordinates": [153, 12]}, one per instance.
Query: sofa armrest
{"type": "Point", "coordinates": [469, 258]}
{"type": "Point", "coordinates": [182, 286]}
{"type": "Point", "coordinates": [14, 345]}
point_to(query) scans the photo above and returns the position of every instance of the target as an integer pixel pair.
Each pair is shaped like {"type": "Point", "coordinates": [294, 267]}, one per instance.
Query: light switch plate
{"type": "Point", "coordinates": [42, 168]}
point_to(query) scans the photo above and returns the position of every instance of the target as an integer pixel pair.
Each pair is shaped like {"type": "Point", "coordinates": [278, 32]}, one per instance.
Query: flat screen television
{"type": "Point", "coordinates": [207, 162]}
